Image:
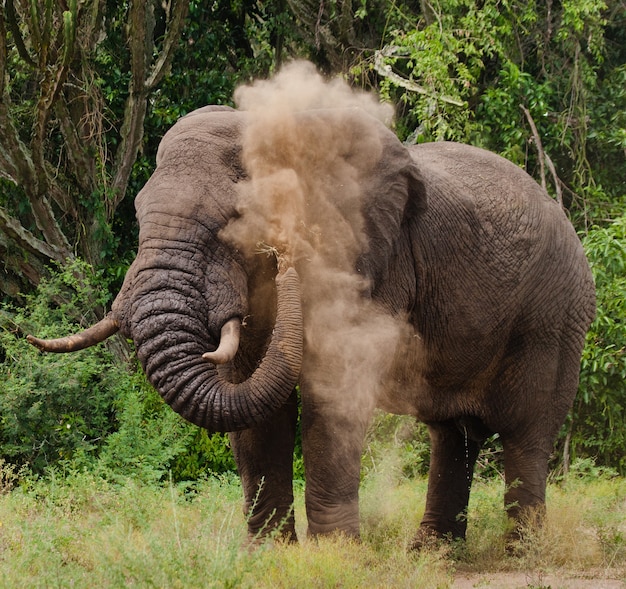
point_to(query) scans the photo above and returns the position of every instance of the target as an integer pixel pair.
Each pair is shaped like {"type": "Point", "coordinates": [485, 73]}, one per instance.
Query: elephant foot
{"type": "Point", "coordinates": [279, 526]}
{"type": "Point", "coordinates": [428, 538]}
{"type": "Point", "coordinates": [254, 541]}
{"type": "Point", "coordinates": [314, 533]}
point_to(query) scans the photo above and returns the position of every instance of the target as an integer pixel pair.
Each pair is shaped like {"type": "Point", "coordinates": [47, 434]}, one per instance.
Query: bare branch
{"type": "Point", "coordinates": [27, 266]}
{"type": "Point", "coordinates": [556, 180]}
{"type": "Point", "coordinates": [12, 228]}
{"type": "Point", "coordinates": [141, 37]}
{"type": "Point", "coordinates": [543, 156]}
{"type": "Point", "coordinates": [3, 52]}
{"type": "Point", "coordinates": [17, 165]}
{"type": "Point", "coordinates": [17, 34]}
{"type": "Point", "coordinates": [61, 198]}
{"type": "Point", "coordinates": [538, 144]}
{"type": "Point", "coordinates": [48, 225]}
{"type": "Point", "coordinates": [15, 161]}
{"type": "Point", "coordinates": [54, 77]}
{"type": "Point", "coordinates": [386, 71]}
{"type": "Point", "coordinates": [140, 30]}
{"type": "Point", "coordinates": [172, 37]}
{"type": "Point", "coordinates": [77, 149]}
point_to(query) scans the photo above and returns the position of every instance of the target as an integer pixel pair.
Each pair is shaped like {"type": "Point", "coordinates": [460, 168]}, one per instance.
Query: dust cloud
{"type": "Point", "coordinates": [308, 144]}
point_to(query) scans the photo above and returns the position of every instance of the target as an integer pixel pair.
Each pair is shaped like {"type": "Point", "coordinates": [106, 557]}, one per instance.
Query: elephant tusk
{"type": "Point", "coordinates": [229, 343]}
{"type": "Point", "coordinates": [90, 337]}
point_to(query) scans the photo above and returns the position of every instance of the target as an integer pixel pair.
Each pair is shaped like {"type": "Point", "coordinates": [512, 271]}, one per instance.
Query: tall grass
{"type": "Point", "coordinates": [78, 530]}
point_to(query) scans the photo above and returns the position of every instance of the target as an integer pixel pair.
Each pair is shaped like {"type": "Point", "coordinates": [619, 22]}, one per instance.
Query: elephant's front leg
{"type": "Point", "coordinates": [332, 442]}
{"type": "Point", "coordinates": [264, 457]}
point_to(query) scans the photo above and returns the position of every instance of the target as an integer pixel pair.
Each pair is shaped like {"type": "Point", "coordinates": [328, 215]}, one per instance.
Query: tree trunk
{"type": "Point", "coordinates": [54, 175]}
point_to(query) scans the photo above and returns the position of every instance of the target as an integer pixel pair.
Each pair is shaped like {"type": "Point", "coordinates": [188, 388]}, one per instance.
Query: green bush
{"type": "Point", "coordinates": [153, 443]}
{"type": "Point", "coordinates": [398, 445]}
{"type": "Point", "coordinates": [600, 410]}
{"type": "Point", "coordinates": [53, 406]}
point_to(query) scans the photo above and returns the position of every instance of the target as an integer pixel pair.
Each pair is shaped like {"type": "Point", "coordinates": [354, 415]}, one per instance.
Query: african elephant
{"type": "Point", "coordinates": [461, 296]}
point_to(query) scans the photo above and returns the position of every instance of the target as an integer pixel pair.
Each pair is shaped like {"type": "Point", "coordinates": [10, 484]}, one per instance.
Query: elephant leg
{"type": "Point", "coordinates": [526, 471]}
{"type": "Point", "coordinates": [332, 444]}
{"type": "Point", "coordinates": [453, 454]}
{"type": "Point", "coordinates": [549, 381]}
{"type": "Point", "coordinates": [264, 457]}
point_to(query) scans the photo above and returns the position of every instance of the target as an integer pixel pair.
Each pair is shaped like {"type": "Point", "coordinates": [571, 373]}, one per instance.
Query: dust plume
{"type": "Point", "coordinates": [308, 147]}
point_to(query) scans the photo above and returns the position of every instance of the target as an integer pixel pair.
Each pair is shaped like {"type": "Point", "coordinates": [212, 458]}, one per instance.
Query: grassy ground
{"type": "Point", "coordinates": [81, 531]}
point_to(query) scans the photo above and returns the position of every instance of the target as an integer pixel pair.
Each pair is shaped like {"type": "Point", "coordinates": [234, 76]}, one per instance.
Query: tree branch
{"type": "Point", "coordinates": [543, 156]}
{"type": "Point", "coordinates": [3, 52]}
{"type": "Point", "coordinates": [53, 79]}
{"type": "Point", "coordinates": [15, 160]}
{"type": "Point", "coordinates": [385, 70]}
{"type": "Point", "coordinates": [141, 36]}
{"type": "Point", "coordinates": [28, 267]}
{"type": "Point", "coordinates": [77, 152]}
{"type": "Point", "coordinates": [172, 37]}
{"type": "Point", "coordinates": [17, 34]}
{"type": "Point", "coordinates": [16, 164]}
{"type": "Point", "coordinates": [12, 228]}
{"type": "Point", "coordinates": [538, 144]}
{"type": "Point", "coordinates": [141, 44]}
{"type": "Point", "coordinates": [47, 224]}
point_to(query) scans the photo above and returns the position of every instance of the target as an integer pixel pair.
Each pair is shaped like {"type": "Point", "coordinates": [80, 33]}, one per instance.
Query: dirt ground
{"type": "Point", "coordinates": [537, 580]}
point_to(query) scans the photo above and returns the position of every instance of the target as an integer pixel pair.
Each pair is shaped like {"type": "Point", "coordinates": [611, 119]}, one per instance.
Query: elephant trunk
{"type": "Point", "coordinates": [191, 384]}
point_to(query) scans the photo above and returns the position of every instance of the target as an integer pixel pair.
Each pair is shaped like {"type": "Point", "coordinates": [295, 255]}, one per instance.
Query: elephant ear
{"type": "Point", "coordinates": [370, 178]}
{"type": "Point", "coordinates": [393, 190]}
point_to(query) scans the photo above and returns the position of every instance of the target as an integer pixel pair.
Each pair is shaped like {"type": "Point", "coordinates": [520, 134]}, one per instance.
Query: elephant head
{"type": "Point", "coordinates": [185, 295]}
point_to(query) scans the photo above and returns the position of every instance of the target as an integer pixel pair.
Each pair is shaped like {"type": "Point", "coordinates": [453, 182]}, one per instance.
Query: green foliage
{"type": "Point", "coordinates": [204, 454]}
{"type": "Point", "coordinates": [149, 435]}
{"type": "Point", "coordinates": [447, 55]}
{"type": "Point", "coordinates": [469, 68]}
{"type": "Point", "coordinates": [600, 411]}
{"type": "Point", "coordinates": [502, 124]}
{"type": "Point", "coordinates": [152, 443]}
{"type": "Point", "coordinates": [398, 445]}
{"type": "Point", "coordinates": [53, 407]}
{"type": "Point", "coordinates": [462, 70]}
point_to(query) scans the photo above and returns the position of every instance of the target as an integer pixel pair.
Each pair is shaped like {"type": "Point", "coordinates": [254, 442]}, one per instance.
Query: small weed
{"type": "Point", "coordinates": [8, 476]}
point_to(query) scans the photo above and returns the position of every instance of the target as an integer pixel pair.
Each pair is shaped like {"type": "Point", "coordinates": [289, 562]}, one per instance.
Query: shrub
{"type": "Point", "coordinates": [600, 409]}
{"type": "Point", "coordinates": [153, 443]}
{"type": "Point", "coordinates": [53, 406]}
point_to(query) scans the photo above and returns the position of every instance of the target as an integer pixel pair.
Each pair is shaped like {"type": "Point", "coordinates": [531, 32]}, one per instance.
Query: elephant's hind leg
{"type": "Point", "coordinates": [452, 457]}
{"type": "Point", "coordinates": [264, 457]}
{"type": "Point", "coordinates": [547, 376]}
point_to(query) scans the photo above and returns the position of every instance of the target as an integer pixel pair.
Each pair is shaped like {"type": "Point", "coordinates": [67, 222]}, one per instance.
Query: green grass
{"type": "Point", "coordinates": [81, 531]}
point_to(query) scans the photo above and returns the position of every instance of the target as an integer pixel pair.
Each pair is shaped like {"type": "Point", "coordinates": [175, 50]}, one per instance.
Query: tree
{"type": "Point", "coordinates": [540, 83]}
{"type": "Point", "coordinates": [88, 87]}
{"type": "Point", "coordinates": [66, 148]}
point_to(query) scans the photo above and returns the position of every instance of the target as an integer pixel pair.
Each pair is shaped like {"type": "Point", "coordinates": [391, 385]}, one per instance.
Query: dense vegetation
{"type": "Point", "coordinates": [88, 88]}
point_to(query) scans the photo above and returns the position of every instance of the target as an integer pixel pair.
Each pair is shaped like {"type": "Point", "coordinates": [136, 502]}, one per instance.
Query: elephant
{"type": "Point", "coordinates": [462, 297]}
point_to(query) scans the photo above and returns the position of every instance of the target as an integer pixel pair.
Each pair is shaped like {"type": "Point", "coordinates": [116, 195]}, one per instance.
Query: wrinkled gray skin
{"type": "Point", "coordinates": [485, 265]}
